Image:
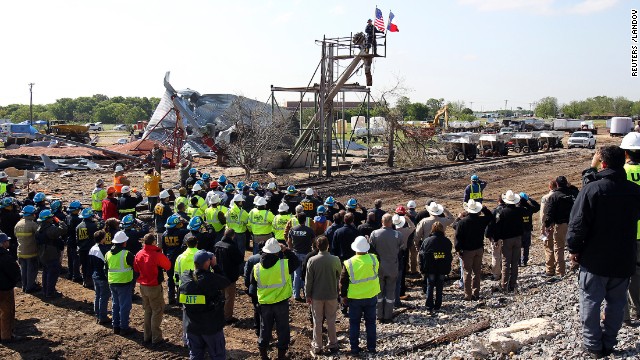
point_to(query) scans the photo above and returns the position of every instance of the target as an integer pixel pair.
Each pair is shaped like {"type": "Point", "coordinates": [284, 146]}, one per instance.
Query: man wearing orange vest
{"type": "Point", "coordinates": [119, 179]}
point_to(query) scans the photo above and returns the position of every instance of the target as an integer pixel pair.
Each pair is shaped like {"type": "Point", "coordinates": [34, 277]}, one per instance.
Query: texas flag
{"type": "Point", "coordinates": [391, 26]}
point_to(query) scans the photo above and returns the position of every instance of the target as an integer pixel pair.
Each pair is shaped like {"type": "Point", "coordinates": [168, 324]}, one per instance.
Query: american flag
{"type": "Point", "coordinates": [379, 23]}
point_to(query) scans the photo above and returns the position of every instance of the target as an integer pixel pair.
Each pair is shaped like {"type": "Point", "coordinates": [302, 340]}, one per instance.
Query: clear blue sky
{"type": "Point", "coordinates": [480, 51]}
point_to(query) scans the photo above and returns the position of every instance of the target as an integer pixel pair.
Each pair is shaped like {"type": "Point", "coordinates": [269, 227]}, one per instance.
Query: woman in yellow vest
{"type": "Point", "coordinates": [97, 195]}
{"type": "Point", "coordinates": [215, 216]}
{"type": "Point", "coordinates": [280, 222]}
{"type": "Point", "coordinates": [118, 263]}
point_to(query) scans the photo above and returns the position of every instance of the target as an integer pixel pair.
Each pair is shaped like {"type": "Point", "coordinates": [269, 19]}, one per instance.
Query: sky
{"type": "Point", "coordinates": [477, 51]}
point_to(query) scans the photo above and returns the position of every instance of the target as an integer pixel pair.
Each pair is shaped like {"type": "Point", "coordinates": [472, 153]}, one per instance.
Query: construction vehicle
{"type": "Point", "coordinates": [436, 119]}
{"type": "Point", "coordinates": [549, 140]}
{"type": "Point", "coordinates": [60, 128]}
{"type": "Point", "coordinates": [525, 142]}
{"type": "Point", "coordinates": [460, 146]}
{"type": "Point", "coordinates": [490, 145]}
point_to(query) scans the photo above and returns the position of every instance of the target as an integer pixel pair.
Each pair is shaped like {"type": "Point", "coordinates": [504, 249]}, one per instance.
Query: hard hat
{"type": "Point", "coordinates": [401, 210]}
{"type": "Point", "coordinates": [360, 244]}
{"type": "Point", "coordinates": [28, 210]}
{"type": "Point", "coordinates": [631, 141]}
{"type": "Point", "coordinates": [44, 215]}
{"type": "Point", "coordinates": [255, 185]}
{"type": "Point", "coordinates": [111, 190]}
{"type": "Point", "coordinates": [8, 201]}
{"type": "Point", "coordinates": [524, 195]}
{"type": "Point", "coordinates": [99, 182]}
{"type": "Point", "coordinates": [240, 185]}
{"type": "Point", "coordinates": [172, 221]}
{"type": "Point", "coordinates": [125, 189]}
{"type": "Point", "coordinates": [196, 187]}
{"type": "Point", "coordinates": [214, 184]}
{"type": "Point", "coordinates": [321, 210]}
{"type": "Point", "coordinates": [39, 197]}
{"type": "Point", "coordinates": [412, 204]}
{"type": "Point", "coordinates": [164, 194]}
{"type": "Point", "coordinates": [260, 201]}
{"type": "Point", "coordinates": [206, 176]}
{"type": "Point", "coordinates": [238, 198]}
{"type": "Point", "coordinates": [271, 246]}
{"type": "Point", "coordinates": [200, 182]}
{"type": "Point", "coordinates": [56, 205]}
{"type": "Point", "coordinates": [195, 223]}
{"type": "Point", "coordinates": [215, 199]}
{"type": "Point", "coordinates": [283, 207]}
{"type": "Point", "coordinates": [126, 221]}
{"type": "Point", "coordinates": [222, 179]}
{"type": "Point", "coordinates": [272, 186]}
{"type": "Point", "coordinates": [291, 189]}
{"type": "Point", "coordinates": [3, 175]}
{"type": "Point", "coordinates": [119, 168]}
{"type": "Point", "coordinates": [119, 238]}
{"type": "Point", "coordinates": [352, 203]}
{"type": "Point", "coordinates": [75, 205]}
{"type": "Point", "coordinates": [329, 201]}
{"type": "Point", "coordinates": [193, 171]}
{"type": "Point", "coordinates": [86, 213]}
{"type": "Point", "coordinates": [229, 188]}
{"type": "Point", "coordinates": [474, 177]}
{"type": "Point", "coordinates": [308, 192]}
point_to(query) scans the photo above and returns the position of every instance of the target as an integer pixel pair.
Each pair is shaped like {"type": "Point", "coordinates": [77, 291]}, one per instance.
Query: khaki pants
{"type": "Point", "coordinates": [510, 260]}
{"type": "Point", "coordinates": [472, 264]}
{"type": "Point", "coordinates": [7, 314]}
{"type": "Point", "coordinates": [153, 305]}
{"type": "Point", "coordinates": [324, 309]}
{"type": "Point", "coordinates": [229, 300]}
{"type": "Point", "coordinates": [554, 250]}
{"type": "Point", "coordinates": [496, 259]}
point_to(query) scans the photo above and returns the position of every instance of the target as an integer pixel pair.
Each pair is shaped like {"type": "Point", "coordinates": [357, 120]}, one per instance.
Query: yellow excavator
{"type": "Point", "coordinates": [443, 111]}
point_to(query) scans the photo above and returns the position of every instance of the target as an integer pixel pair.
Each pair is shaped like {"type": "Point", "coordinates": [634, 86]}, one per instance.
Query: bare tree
{"type": "Point", "coordinates": [256, 135]}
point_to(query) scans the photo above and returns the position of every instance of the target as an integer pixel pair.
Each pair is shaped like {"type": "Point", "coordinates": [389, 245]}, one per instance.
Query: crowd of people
{"type": "Point", "coordinates": [333, 256]}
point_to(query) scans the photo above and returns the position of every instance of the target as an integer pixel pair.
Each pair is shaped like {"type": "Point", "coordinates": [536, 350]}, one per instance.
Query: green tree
{"type": "Point", "coordinates": [435, 104]}
{"type": "Point", "coordinates": [635, 109]}
{"type": "Point", "coordinates": [63, 108]}
{"type": "Point", "coordinates": [418, 111]}
{"type": "Point", "coordinates": [547, 107]}
{"type": "Point", "coordinates": [600, 105]}
{"type": "Point", "coordinates": [402, 105]}
{"type": "Point", "coordinates": [575, 109]}
{"type": "Point", "coordinates": [622, 106]}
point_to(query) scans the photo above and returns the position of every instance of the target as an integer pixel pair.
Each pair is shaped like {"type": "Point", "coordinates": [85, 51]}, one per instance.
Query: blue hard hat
{"type": "Point", "coordinates": [524, 195]}
{"type": "Point", "coordinates": [255, 185]}
{"type": "Point", "coordinates": [39, 197]}
{"type": "Point", "coordinates": [330, 201]}
{"type": "Point", "coordinates": [291, 189]}
{"type": "Point", "coordinates": [228, 188]}
{"type": "Point", "coordinates": [200, 182]}
{"type": "Point", "coordinates": [352, 203]}
{"type": "Point", "coordinates": [321, 210]}
{"type": "Point", "coordinates": [172, 221]}
{"type": "Point", "coordinates": [28, 210]}
{"type": "Point", "coordinates": [222, 179]}
{"type": "Point", "coordinates": [193, 171]}
{"type": "Point", "coordinates": [8, 201]}
{"type": "Point", "coordinates": [56, 205]}
{"type": "Point", "coordinates": [206, 176]}
{"type": "Point", "coordinates": [474, 177]}
{"type": "Point", "coordinates": [126, 221]}
{"type": "Point", "coordinates": [195, 223]}
{"type": "Point", "coordinates": [240, 185]}
{"type": "Point", "coordinates": [86, 213]}
{"type": "Point", "coordinates": [75, 205]}
{"type": "Point", "coordinates": [44, 215]}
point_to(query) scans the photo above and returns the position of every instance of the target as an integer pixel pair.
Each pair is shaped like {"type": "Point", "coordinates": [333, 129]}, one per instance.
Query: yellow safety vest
{"type": "Point", "coordinates": [96, 199]}
{"type": "Point", "coordinates": [475, 195]}
{"type": "Point", "coordinates": [211, 216]}
{"type": "Point", "coordinates": [193, 212]}
{"type": "Point", "coordinates": [279, 224]}
{"type": "Point", "coordinates": [363, 276]}
{"type": "Point", "coordinates": [119, 271]}
{"type": "Point", "coordinates": [274, 283]}
{"type": "Point", "coordinates": [260, 222]}
{"type": "Point", "coordinates": [180, 200]}
{"type": "Point", "coordinates": [3, 188]}
{"type": "Point", "coordinates": [202, 204]}
{"type": "Point", "coordinates": [633, 175]}
{"type": "Point", "coordinates": [237, 219]}
{"type": "Point", "coordinates": [184, 262]}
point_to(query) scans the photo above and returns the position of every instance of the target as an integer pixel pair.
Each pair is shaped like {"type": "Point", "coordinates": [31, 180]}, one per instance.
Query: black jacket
{"type": "Point", "coordinates": [379, 213]}
{"type": "Point", "coordinates": [358, 216]}
{"type": "Point", "coordinates": [73, 221]}
{"type": "Point", "coordinates": [489, 232]}
{"type": "Point", "coordinates": [435, 255]}
{"type": "Point", "coordinates": [342, 240]}
{"type": "Point", "coordinates": [367, 228]}
{"type": "Point", "coordinates": [330, 233]}
{"type": "Point", "coordinates": [97, 264]}
{"type": "Point", "coordinates": [229, 258]}
{"type": "Point", "coordinates": [528, 209]}
{"type": "Point", "coordinates": [9, 271]}
{"type": "Point", "coordinates": [248, 270]}
{"type": "Point", "coordinates": [470, 231]}
{"type": "Point", "coordinates": [84, 232]}
{"type": "Point", "coordinates": [134, 244]}
{"type": "Point", "coordinates": [129, 202]}
{"type": "Point", "coordinates": [558, 206]}
{"type": "Point", "coordinates": [509, 222]}
{"type": "Point", "coordinates": [208, 318]}
{"type": "Point", "coordinates": [602, 228]}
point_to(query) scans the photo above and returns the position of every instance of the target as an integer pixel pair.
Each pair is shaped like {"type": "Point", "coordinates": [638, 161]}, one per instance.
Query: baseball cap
{"type": "Point", "coordinates": [4, 237]}
{"type": "Point", "coordinates": [201, 256]}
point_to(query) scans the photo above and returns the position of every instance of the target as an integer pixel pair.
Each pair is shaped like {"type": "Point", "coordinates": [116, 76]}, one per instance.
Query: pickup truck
{"type": "Point", "coordinates": [582, 139]}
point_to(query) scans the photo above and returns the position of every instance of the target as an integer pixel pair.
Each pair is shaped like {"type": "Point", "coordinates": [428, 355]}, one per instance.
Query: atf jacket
{"type": "Point", "coordinates": [109, 208]}
{"type": "Point", "coordinates": [470, 230]}
{"type": "Point", "coordinates": [528, 209]}
{"type": "Point", "coordinates": [9, 271]}
{"type": "Point", "coordinates": [207, 318]}
{"type": "Point", "coordinates": [387, 243]}
{"type": "Point", "coordinates": [509, 222]}
{"type": "Point", "coordinates": [25, 231]}
{"type": "Point", "coordinates": [84, 233]}
{"type": "Point", "coordinates": [149, 263]}
{"type": "Point", "coordinates": [269, 260]}
{"type": "Point", "coordinates": [228, 258]}
{"type": "Point", "coordinates": [172, 240]}
{"type": "Point", "coordinates": [161, 213]}
{"type": "Point", "coordinates": [558, 206]}
{"type": "Point", "coordinates": [435, 255]}
{"type": "Point", "coordinates": [602, 228]}
{"type": "Point", "coordinates": [73, 220]}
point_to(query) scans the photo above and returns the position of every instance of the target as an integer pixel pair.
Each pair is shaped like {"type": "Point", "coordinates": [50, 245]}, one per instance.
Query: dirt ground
{"type": "Point", "coordinates": [65, 328]}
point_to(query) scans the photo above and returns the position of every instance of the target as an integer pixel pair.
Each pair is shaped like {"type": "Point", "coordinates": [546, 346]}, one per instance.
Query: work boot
{"type": "Point", "coordinates": [264, 355]}
{"type": "Point", "coordinates": [282, 354]}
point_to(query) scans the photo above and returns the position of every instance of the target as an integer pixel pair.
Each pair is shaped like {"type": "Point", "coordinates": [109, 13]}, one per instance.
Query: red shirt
{"type": "Point", "coordinates": [147, 264]}
{"type": "Point", "coordinates": [109, 208]}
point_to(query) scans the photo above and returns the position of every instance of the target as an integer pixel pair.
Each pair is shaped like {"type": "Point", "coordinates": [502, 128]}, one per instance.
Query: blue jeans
{"type": "Point", "coordinates": [357, 308]}
{"type": "Point", "coordinates": [29, 271]}
{"type": "Point", "coordinates": [593, 290]}
{"type": "Point", "coordinates": [50, 274]}
{"type": "Point", "coordinates": [461, 281]}
{"type": "Point", "coordinates": [240, 241]}
{"type": "Point", "coordinates": [121, 307]}
{"type": "Point", "coordinates": [298, 281]}
{"type": "Point", "coordinates": [526, 244]}
{"type": "Point", "coordinates": [214, 344]}
{"type": "Point", "coordinates": [434, 282]}
{"type": "Point", "coordinates": [101, 302]}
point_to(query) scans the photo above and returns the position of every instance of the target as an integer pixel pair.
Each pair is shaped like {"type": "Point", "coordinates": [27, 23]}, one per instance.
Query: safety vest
{"type": "Point", "coordinates": [260, 222]}
{"type": "Point", "coordinates": [237, 219]}
{"type": "Point", "coordinates": [124, 212]}
{"type": "Point", "coordinates": [193, 212]}
{"type": "Point", "coordinates": [211, 216]}
{"type": "Point", "coordinates": [279, 223]}
{"type": "Point", "coordinates": [3, 188]}
{"type": "Point", "coordinates": [117, 183]}
{"type": "Point", "coordinates": [184, 262]}
{"type": "Point", "coordinates": [363, 276]}
{"type": "Point", "coordinates": [274, 283]}
{"type": "Point", "coordinates": [180, 200]}
{"type": "Point", "coordinates": [201, 203]}
{"type": "Point", "coordinates": [633, 175]}
{"type": "Point", "coordinates": [119, 271]}
{"type": "Point", "coordinates": [96, 199]}
{"type": "Point", "coordinates": [475, 195]}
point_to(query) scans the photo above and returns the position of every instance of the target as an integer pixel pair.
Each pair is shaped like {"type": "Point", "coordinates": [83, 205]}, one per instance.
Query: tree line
{"type": "Point", "coordinates": [548, 107]}
{"type": "Point", "coordinates": [97, 108]}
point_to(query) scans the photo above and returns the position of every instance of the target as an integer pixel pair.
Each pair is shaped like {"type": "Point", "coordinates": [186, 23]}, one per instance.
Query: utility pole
{"type": "Point", "coordinates": [471, 102]}
{"type": "Point", "coordinates": [31, 102]}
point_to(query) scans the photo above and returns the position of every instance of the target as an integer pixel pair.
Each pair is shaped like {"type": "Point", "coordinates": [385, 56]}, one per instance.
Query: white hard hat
{"type": "Point", "coordinates": [360, 244]}
{"type": "Point", "coordinates": [398, 221]}
{"type": "Point", "coordinates": [272, 246]}
{"type": "Point", "coordinates": [272, 186]}
{"type": "Point", "coordinates": [125, 189]}
{"type": "Point", "coordinates": [412, 204]}
{"type": "Point", "coordinates": [309, 191]}
{"type": "Point", "coordinates": [283, 207]}
{"type": "Point", "coordinates": [3, 174]}
{"type": "Point", "coordinates": [238, 198]}
{"type": "Point", "coordinates": [119, 238]}
{"type": "Point", "coordinates": [196, 187]}
{"type": "Point", "coordinates": [434, 208]}
{"type": "Point", "coordinates": [260, 201]}
{"type": "Point", "coordinates": [631, 141]}
{"type": "Point", "coordinates": [214, 199]}
{"type": "Point", "coordinates": [164, 194]}
{"type": "Point", "coordinates": [119, 168]}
